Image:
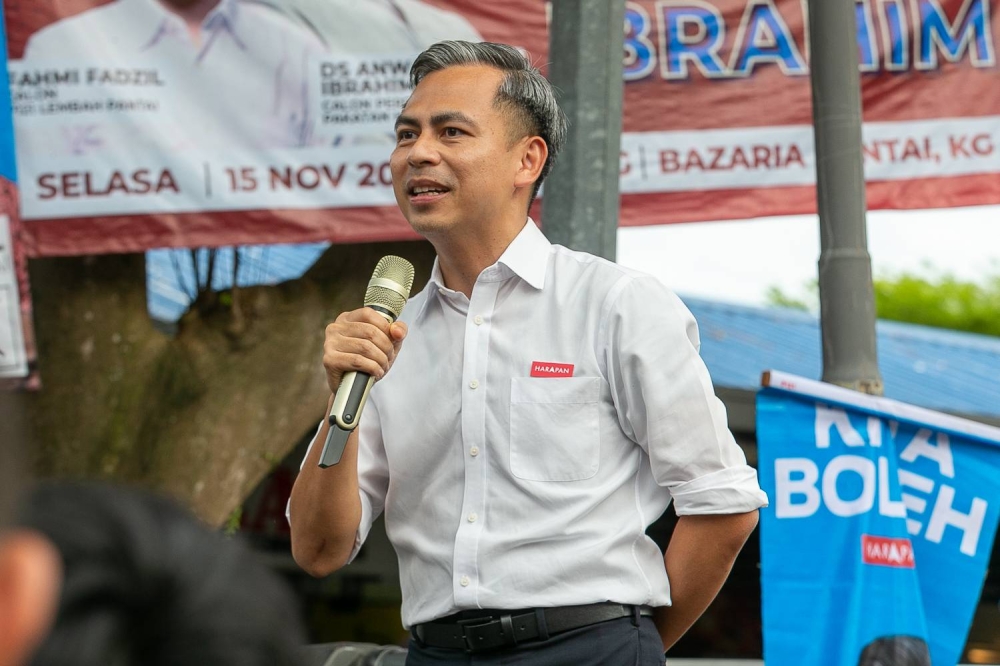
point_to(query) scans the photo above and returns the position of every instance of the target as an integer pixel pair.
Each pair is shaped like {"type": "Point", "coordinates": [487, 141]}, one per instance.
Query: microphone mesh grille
{"type": "Point", "coordinates": [394, 269]}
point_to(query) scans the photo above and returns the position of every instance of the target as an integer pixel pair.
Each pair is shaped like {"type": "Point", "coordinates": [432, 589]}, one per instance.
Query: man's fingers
{"type": "Point", "coordinates": [345, 362]}
{"type": "Point", "coordinates": [362, 331]}
{"type": "Point", "coordinates": [366, 316]}
{"type": "Point", "coordinates": [361, 341]}
{"type": "Point", "coordinates": [343, 350]}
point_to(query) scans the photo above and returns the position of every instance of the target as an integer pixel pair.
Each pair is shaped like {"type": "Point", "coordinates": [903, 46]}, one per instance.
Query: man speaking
{"type": "Point", "coordinates": [545, 408]}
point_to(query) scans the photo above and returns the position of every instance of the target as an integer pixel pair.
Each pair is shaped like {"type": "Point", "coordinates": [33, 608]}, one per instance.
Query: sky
{"type": "Point", "coordinates": [738, 261]}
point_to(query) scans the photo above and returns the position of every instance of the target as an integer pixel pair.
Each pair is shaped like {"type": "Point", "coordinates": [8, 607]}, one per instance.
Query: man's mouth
{"type": "Point", "coordinates": [426, 192]}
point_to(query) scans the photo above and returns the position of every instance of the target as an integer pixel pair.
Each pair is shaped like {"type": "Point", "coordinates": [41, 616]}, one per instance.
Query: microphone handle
{"type": "Point", "coordinates": [352, 394]}
{"type": "Point", "coordinates": [344, 415]}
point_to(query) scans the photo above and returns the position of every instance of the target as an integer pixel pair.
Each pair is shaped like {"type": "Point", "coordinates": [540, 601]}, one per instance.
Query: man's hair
{"type": "Point", "coordinates": [146, 584]}
{"type": "Point", "coordinates": [896, 651]}
{"type": "Point", "coordinates": [524, 93]}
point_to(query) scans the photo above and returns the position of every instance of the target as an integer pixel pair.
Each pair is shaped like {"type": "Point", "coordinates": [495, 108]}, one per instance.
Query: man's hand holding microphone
{"type": "Point", "coordinates": [361, 341]}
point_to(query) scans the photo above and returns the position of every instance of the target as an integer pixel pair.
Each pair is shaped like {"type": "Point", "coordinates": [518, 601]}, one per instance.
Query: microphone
{"type": "Point", "coordinates": [387, 293]}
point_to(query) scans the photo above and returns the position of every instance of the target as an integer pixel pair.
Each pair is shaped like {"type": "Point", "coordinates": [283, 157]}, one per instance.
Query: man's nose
{"type": "Point", "coordinates": [423, 150]}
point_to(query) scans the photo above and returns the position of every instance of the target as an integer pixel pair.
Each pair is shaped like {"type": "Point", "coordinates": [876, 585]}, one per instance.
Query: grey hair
{"type": "Point", "coordinates": [524, 90]}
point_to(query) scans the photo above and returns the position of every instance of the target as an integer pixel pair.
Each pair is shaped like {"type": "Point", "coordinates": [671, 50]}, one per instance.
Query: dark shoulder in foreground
{"type": "Point", "coordinates": [146, 583]}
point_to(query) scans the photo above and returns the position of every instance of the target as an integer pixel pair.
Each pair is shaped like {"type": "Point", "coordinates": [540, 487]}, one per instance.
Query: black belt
{"type": "Point", "coordinates": [478, 631]}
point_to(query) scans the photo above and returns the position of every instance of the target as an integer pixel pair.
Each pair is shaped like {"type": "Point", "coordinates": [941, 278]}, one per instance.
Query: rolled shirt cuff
{"type": "Point", "coordinates": [731, 490]}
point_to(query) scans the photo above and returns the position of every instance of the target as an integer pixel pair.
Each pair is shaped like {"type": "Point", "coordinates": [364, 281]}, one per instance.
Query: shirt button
{"type": "Point", "coordinates": [464, 581]}
{"type": "Point", "coordinates": [474, 451]}
{"type": "Point", "coordinates": [478, 320]}
{"type": "Point", "coordinates": [473, 517]}
{"type": "Point", "coordinates": [474, 384]}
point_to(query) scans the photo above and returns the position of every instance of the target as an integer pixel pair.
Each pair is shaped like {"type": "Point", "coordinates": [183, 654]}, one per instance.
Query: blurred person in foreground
{"type": "Point", "coordinates": [30, 568]}
{"type": "Point", "coordinates": [146, 584]}
{"type": "Point", "coordinates": [548, 407]}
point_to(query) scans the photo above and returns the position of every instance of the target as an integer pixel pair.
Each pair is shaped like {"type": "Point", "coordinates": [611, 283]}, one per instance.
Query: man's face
{"type": "Point", "coordinates": [454, 161]}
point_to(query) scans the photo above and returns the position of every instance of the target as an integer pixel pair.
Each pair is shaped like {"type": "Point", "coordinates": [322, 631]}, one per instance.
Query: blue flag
{"type": "Point", "coordinates": [880, 527]}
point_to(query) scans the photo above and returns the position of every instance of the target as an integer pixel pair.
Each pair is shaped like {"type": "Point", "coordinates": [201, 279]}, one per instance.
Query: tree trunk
{"type": "Point", "coordinates": [202, 415]}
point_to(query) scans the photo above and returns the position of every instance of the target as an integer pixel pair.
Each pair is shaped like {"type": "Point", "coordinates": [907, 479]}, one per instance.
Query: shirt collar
{"type": "Point", "coordinates": [224, 14]}
{"type": "Point", "coordinates": [527, 256]}
{"type": "Point", "coordinates": [164, 22]}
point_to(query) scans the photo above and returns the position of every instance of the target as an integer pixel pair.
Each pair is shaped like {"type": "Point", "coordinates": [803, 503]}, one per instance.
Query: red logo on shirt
{"type": "Point", "coordinates": [887, 552]}
{"type": "Point", "coordinates": [545, 369]}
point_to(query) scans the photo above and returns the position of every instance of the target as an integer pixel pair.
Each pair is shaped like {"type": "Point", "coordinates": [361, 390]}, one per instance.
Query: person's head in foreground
{"type": "Point", "coordinates": [146, 584]}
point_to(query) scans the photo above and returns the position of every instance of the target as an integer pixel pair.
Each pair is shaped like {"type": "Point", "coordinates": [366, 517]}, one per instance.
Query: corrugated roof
{"type": "Point", "coordinates": [934, 368]}
{"type": "Point", "coordinates": [939, 369]}
{"type": "Point", "coordinates": [170, 274]}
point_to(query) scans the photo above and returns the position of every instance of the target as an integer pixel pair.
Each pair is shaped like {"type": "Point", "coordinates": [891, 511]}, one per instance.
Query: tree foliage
{"type": "Point", "coordinates": [942, 301]}
{"type": "Point", "coordinates": [779, 298]}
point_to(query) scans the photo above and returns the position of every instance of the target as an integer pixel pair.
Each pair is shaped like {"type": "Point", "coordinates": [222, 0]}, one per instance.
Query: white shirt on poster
{"type": "Point", "coordinates": [245, 82]}
{"type": "Point", "coordinates": [507, 490]}
{"type": "Point", "coordinates": [378, 26]}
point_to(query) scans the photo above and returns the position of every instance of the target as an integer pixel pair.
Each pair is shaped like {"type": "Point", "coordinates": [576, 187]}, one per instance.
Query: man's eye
{"type": "Point", "coordinates": [405, 135]}
{"type": "Point", "coordinates": [453, 132]}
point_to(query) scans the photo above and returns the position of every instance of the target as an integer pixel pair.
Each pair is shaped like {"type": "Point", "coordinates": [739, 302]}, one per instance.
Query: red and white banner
{"type": "Point", "coordinates": [152, 123]}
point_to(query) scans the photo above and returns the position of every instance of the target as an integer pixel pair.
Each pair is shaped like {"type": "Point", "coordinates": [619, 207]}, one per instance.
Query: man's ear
{"type": "Point", "coordinates": [534, 152]}
{"type": "Point", "coordinates": [30, 580]}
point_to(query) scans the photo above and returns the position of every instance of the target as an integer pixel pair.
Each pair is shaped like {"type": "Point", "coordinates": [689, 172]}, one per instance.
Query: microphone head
{"type": "Point", "coordinates": [390, 284]}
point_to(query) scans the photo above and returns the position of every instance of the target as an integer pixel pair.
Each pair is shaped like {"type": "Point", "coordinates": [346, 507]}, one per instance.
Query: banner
{"type": "Point", "coordinates": [13, 355]}
{"type": "Point", "coordinates": [151, 123]}
{"type": "Point", "coordinates": [17, 341]}
{"type": "Point", "coordinates": [880, 528]}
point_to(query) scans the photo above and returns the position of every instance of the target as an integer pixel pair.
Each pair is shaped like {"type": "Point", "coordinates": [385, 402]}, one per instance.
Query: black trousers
{"type": "Point", "coordinates": [613, 643]}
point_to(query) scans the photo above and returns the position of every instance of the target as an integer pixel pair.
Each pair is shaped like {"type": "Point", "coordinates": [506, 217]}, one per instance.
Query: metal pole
{"type": "Point", "coordinates": [847, 300]}
{"type": "Point", "coordinates": [586, 47]}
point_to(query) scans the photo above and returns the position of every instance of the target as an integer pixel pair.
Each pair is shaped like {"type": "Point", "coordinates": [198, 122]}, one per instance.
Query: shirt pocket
{"type": "Point", "coordinates": [554, 428]}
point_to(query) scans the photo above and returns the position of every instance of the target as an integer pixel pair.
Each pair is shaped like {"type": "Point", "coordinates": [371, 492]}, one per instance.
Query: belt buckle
{"type": "Point", "coordinates": [473, 623]}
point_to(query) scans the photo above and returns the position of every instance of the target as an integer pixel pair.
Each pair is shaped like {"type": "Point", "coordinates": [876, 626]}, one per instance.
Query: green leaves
{"type": "Point", "coordinates": [945, 302]}
{"type": "Point", "coordinates": [941, 301]}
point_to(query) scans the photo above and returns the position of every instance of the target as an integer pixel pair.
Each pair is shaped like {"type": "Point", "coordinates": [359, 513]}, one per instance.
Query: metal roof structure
{"type": "Point", "coordinates": [170, 274]}
{"type": "Point", "coordinates": [934, 368]}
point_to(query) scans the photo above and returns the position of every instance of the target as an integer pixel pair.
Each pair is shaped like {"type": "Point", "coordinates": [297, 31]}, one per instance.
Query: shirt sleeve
{"type": "Point", "coordinates": [373, 473]}
{"type": "Point", "coordinates": [666, 403]}
{"type": "Point", "coordinates": [432, 24]}
{"type": "Point", "coordinates": [294, 47]}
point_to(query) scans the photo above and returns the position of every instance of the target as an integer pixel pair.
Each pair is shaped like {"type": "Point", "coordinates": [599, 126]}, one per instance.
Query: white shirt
{"type": "Point", "coordinates": [245, 83]}
{"type": "Point", "coordinates": [503, 490]}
